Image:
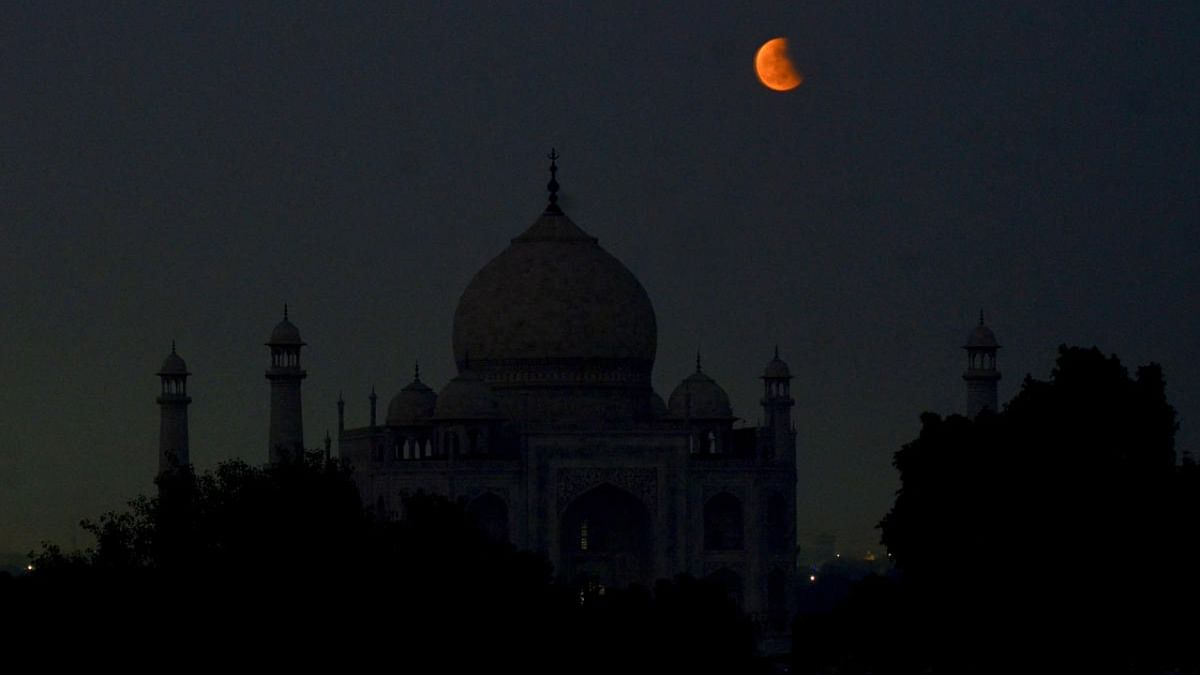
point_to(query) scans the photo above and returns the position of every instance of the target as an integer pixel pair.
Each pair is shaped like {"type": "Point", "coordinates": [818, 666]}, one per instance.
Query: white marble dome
{"type": "Point", "coordinates": [699, 397]}
{"type": "Point", "coordinates": [414, 404]}
{"type": "Point", "coordinates": [554, 298]}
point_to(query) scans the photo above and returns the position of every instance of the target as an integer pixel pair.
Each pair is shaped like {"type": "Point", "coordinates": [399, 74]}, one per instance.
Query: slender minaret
{"type": "Point", "coordinates": [981, 374]}
{"type": "Point", "coordinates": [287, 423]}
{"type": "Point", "coordinates": [173, 424]}
{"type": "Point", "coordinates": [777, 405]}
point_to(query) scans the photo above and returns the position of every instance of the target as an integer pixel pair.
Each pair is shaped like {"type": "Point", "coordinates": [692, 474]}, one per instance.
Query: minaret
{"type": "Point", "coordinates": [777, 405]}
{"type": "Point", "coordinates": [173, 424]}
{"type": "Point", "coordinates": [981, 374]}
{"type": "Point", "coordinates": [287, 424]}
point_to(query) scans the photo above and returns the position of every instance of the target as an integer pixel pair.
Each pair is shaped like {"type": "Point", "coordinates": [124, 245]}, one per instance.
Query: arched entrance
{"type": "Point", "coordinates": [605, 539]}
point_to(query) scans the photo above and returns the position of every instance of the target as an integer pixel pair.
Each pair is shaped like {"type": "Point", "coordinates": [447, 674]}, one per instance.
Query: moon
{"type": "Point", "coordinates": [774, 67]}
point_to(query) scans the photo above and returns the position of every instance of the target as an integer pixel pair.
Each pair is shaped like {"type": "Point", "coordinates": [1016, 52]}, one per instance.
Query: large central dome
{"type": "Point", "coordinates": [554, 309]}
{"type": "Point", "coordinates": [554, 294]}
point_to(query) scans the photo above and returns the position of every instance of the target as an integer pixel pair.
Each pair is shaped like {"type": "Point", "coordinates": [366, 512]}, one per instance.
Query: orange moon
{"type": "Point", "coordinates": [774, 67]}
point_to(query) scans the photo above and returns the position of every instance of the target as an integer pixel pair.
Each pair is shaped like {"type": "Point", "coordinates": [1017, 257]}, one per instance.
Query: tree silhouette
{"type": "Point", "coordinates": [1066, 509]}
{"type": "Point", "coordinates": [283, 562]}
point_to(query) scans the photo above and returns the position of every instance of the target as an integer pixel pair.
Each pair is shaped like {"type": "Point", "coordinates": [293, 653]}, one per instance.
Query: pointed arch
{"type": "Point", "coordinates": [605, 537]}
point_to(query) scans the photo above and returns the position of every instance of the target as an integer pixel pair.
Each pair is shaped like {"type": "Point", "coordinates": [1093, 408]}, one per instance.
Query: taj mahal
{"type": "Point", "coordinates": [552, 437]}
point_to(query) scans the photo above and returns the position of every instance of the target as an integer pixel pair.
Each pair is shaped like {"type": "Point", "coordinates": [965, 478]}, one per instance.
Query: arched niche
{"type": "Point", "coordinates": [605, 538]}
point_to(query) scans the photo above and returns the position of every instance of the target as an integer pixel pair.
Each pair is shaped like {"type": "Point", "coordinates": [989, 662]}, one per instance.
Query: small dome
{"type": "Point", "coordinates": [777, 368]}
{"type": "Point", "coordinates": [466, 397]}
{"type": "Point", "coordinates": [285, 332]}
{"type": "Point", "coordinates": [173, 364]}
{"type": "Point", "coordinates": [414, 404]}
{"type": "Point", "coordinates": [981, 337]}
{"type": "Point", "coordinates": [699, 397]}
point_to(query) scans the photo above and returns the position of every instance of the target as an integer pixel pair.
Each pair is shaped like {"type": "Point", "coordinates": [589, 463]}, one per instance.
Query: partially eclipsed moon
{"type": "Point", "coordinates": [774, 68]}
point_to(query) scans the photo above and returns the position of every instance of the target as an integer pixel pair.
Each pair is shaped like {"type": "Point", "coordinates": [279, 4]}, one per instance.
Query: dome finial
{"type": "Point", "coordinates": [981, 317]}
{"type": "Point", "coordinates": [699, 369]}
{"type": "Point", "coordinates": [776, 351]}
{"type": "Point", "coordinates": [416, 371]}
{"type": "Point", "coordinates": [552, 186]}
{"type": "Point", "coordinates": [172, 346]}
{"type": "Point", "coordinates": [285, 311]}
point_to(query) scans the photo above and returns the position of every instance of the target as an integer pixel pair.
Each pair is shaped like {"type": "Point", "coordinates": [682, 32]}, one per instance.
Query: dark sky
{"type": "Point", "coordinates": [182, 171]}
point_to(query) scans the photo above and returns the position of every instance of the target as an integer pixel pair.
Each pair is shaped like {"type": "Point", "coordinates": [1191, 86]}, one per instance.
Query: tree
{"type": "Point", "coordinates": [277, 560]}
{"type": "Point", "coordinates": [1067, 508]}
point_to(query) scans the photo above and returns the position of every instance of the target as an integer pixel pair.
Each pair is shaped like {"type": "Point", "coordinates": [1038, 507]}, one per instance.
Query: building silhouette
{"type": "Point", "coordinates": [553, 438]}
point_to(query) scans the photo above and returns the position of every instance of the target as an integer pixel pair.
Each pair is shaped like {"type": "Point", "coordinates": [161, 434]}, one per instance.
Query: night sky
{"type": "Point", "coordinates": [182, 171]}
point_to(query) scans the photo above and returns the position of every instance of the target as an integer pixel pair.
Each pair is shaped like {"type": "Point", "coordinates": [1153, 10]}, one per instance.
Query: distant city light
{"type": "Point", "coordinates": [29, 568]}
{"type": "Point", "coordinates": [812, 578]}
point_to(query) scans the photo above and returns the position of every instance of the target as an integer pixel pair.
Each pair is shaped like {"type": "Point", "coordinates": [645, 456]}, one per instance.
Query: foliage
{"type": "Point", "coordinates": [286, 556]}
{"type": "Point", "coordinates": [1067, 508]}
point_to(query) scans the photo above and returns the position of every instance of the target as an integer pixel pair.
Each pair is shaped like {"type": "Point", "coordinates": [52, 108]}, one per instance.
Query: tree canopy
{"type": "Point", "coordinates": [1068, 508]}
{"type": "Point", "coordinates": [284, 561]}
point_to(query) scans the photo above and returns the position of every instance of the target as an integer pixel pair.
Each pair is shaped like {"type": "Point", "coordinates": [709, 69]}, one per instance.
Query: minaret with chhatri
{"type": "Point", "coordinates": [286, 438]}
{"type": "Point", "coordinates": [173, 424]}
{"type": "Point", "coordinates": [981, 374]}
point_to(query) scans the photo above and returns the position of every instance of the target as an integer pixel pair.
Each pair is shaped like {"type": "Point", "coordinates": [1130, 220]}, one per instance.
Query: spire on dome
{"type": "Point", "coordinates": [552, 186]}
{"type": "Point", "coordinates": [981, 317]}
{"type": "Point", "coordinates": [776, 368]}
{"type": "Point", "coordinates": [173, 366]}
{"type": "Point", "coordinates": [699, 369]}
{"type": "Point", "coordinates": [416, 371]}
{"type": "Point", "coordinates": [285, 333]}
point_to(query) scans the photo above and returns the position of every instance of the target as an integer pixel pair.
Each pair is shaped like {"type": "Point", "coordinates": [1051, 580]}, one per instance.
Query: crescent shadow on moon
{"type": "Point", "coordinates": [774, 67]}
